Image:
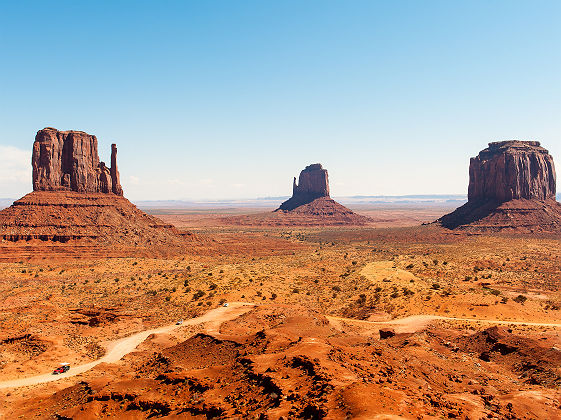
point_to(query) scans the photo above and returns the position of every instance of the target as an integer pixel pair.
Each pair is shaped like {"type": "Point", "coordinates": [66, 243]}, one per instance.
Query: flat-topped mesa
{"type": "Point", "coordinates": [510, 170]}
{"type": "Point", "coordinates": [511, 187]}
{"type": "Point", "coordinates": [313, 183]}
{"type": "Point", "coordinates": [69, 161]}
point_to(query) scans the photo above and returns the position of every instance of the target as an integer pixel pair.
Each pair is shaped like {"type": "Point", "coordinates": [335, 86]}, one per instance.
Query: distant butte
{"type": "Point", "coordinates": [511, 187]}
{"type": "Point", "coordinates": [77, 198]}
{"type": "Point", "coordinates": [313, 183]}
{"type": "Point", "coordinates": [310, 202]}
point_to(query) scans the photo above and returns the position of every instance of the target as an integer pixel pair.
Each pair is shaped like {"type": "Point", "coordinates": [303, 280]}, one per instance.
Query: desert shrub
{"type": "Point", "coordinates": [361, 299]}
{"type": "Point", "coordinates": [273, 296]}
{"type": "Point", "coordinates": [435, 286]}
{"type": "Point", "coordinates": [410, 266]}
{"type": "Point", "coordinates": [435, 262]}
{"type": "Point", "coordinates": [198, 294]}
{"type": "Point", "coordinates": [212, 286]}
{"type": "Point", "coordinates": [295, 290]}
{"type": "Point", "coordinates": [520, 299]}
{"type": "Point", "coordinates": [495, 292]}
{"type": "Point", "coordinates": [336, 288]}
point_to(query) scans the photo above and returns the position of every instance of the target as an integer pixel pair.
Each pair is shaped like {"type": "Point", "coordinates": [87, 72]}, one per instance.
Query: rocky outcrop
{"type": "Point", "coordinates": [78, 201]}
{"type": "Point", "coordinates": [310, 204]}
{"type": "Point", "coordinates": [313, 183]}
{"type": "Point", "coordinates": [510, 170]}
{"type": "Point", "coordinates": [511, 187]}
{"type": "Point", "coordinates": [69, 161]}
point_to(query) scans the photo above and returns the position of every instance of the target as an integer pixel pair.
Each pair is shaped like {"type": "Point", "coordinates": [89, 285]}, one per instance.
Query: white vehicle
{"type": "Point", "coordinates": [225, 304]}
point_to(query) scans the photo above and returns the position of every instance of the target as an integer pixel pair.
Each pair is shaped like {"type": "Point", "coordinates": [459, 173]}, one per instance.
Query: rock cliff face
{"type": "Point", "coordinates": [313, 183]}
{"type": "Point", "coordinates": [78, 201]}
{"type": "Point", "coordinates": [69, 161]}
{"type": "Point", "coordinates": [310, 204]}
{"type": "Point", "coordinates": [509, 170]}
{"type": "Point", "coordinates": [511, 186]}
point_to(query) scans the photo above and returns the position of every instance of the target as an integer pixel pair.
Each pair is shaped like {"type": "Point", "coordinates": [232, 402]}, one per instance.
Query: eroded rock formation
{"type": "Point", "coordinates": [509, 170]}
{"type": "Point", "coordinates": [313, 183]}
{"type": "Point", "coordinates": [69, 161]}
{"type": "Point", "coordinates": [311, 205]}
{"type": "Point", "coordinates": [511, 186]}
{"type": "Point", "coordinates": [78, 199]}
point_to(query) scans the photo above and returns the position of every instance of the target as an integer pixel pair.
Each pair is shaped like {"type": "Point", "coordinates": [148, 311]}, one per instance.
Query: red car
{"type": "Point", "coordinates": [61, 369]}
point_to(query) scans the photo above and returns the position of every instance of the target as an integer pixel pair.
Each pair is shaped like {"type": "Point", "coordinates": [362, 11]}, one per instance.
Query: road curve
{"type": "Point", "coordinates": [117, 349]}
{"type": "Point", "coordinates": [416, 322]}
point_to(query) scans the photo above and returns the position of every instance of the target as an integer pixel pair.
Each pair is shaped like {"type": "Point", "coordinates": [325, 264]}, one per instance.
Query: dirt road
{"type": "Point", "coordinates": [415, 323]}
{"type": "Point", "coordinates": [119, 348]}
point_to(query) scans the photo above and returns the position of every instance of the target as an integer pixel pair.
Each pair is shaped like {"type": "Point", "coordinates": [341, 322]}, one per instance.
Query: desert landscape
{"type": "Point", "coordinates": [254, 316]}
{"type": "Point", "coordinates": [280, 210]}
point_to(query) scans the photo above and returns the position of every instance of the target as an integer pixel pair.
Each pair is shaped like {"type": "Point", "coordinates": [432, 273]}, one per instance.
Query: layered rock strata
{"type": "Point", "coordinates": [69, 161]}
{"type": "Point", "coordinates": [311, 205]}
{"type": "Point", "coordinates": [510, 170]}
{"type": "Point", "coordinates": [313, 183]}
{"type": "Point", "coordinates": [511, 186]}
{"type": "Point", "coordinates": [78, 199]}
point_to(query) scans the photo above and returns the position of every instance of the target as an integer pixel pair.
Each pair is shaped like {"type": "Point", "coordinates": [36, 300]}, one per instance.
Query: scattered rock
{"type": "Point", "coordinates": [386, 333]}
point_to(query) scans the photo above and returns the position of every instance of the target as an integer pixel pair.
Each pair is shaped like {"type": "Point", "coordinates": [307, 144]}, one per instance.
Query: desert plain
{"type": "Point", "coordinates": [394, 319]}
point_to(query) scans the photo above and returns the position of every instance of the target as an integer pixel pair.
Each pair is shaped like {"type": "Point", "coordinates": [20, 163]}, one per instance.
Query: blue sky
{"type": "Point", "coordinates": [231, 99]}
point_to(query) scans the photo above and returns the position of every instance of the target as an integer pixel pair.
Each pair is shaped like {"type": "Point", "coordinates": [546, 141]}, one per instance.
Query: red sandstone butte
{"type": "Point", "coordinates": [511, 186]}
{"type": "Point", "coordinates": [77, 198]}
{"type": "Point", "coordinates": [69, 161]}
{"type": "Point", "coordinates": [313, 183]}
{"type": "Point", "coordinates": [310, 203]}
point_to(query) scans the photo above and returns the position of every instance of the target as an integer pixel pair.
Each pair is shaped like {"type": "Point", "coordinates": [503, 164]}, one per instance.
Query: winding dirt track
{"type": "Point", "coordinates": [120, 348]}
{"type": "Point", "coordinates": [415, 323]}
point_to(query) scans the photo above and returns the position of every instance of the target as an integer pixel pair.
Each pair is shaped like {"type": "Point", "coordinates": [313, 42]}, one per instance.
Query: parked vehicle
{"type": "Point", "coordinates": [64, 367]}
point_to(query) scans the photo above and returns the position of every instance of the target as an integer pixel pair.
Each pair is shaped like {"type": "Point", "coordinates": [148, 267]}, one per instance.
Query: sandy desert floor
{"type": "Point", "coordinates": [393, 320]}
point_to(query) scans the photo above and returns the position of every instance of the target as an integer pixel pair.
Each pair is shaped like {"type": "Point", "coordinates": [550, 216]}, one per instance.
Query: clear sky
{"type": "Point", "coordinates": [231, 99]}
